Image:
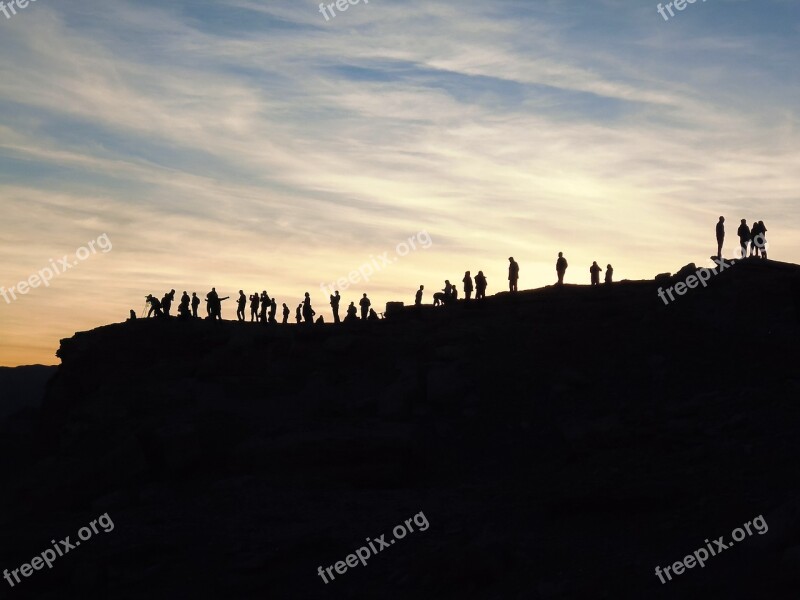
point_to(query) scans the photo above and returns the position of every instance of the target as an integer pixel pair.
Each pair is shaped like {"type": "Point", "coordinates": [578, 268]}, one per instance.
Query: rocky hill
{"type": "Point", "coordinates": [561, 443]}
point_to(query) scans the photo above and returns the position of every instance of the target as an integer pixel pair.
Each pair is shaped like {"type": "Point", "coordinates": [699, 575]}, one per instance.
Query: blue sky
{"type": "Point", "coordinates": [256, 145]}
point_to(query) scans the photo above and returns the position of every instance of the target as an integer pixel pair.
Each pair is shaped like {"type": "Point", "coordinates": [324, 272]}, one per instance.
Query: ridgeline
{"type": "Point", "coordinates": [562, 442]}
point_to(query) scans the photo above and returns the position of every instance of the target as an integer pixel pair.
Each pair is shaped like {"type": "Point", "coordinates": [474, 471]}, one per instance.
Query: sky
{"type": "Point", "coordinates": [256, 145]}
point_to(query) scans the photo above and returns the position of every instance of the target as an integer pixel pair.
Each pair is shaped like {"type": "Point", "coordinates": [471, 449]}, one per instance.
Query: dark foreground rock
{"type": "Point", "coordinates": [561, 443]}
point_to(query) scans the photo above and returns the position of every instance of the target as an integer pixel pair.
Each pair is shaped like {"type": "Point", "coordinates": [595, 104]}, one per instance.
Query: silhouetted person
{"type": "Point", "coordinates": [308, 312]}
{"type": "Point", "coordinates": [513, 274]}
{"type": "Point", "coordinates": [265, 305]}
{"type": "Point", "coordinates": [480, 286]}
{"type": "Point", "coordinates": [594, 270]}
{"type": "Point", "coordinates": [286, 313]}
{"type": "Point", "coordinates": [467, 286]}
{"type": "Point", "coordinates": [418, 296]}
{"type": "Point", "coordinates": [352, 313]}
{"type": "Point", "coordinates": [241, 304]}
{"type": "Point", "coordinates": [273, 308]}
{"type": "Point", "coordinates": [155, 306]}
{"type": "Point", "coordinates": [561, 267]}
{"type": "Point", "coordinates": [762, 231]}
{"type": "Point", "coordinates": [195, 304]}
{"type": "Point", "coordinates": [320, 320]}
{"type": "Point", "coordinates": [754, 249]}
{"type": "Point", "coordinates": [184, 312]}
{"type": "Point", "coordinates": [720, 235]}
{"type": "Point", "coordinates": [215, 304]}
{"type": "Point", "coordinates": [298, 314]}
{"type": "Point", "coordinates": [212, 299]}
{"type": "Point", "coordinates": [254, 302]}
{"type": "Point", "coordinates": [609, 273]}
{"type": "Point", "coordinates": [453, 293]}
{"type": "Point", "coordinates": [364, 303]}
{"type": "Point", "coordinates": [373, 316]}
{"type": "Point", "coordinates": [448, 291]}
{"type": "Point", "coordinates": [133, 315]}
{"type": "Point", "coordinates": [166, 303]}
{"type": "Point", "coordinates": [744, 237]}
{"type": "Point", "coordinates": [335, 299]}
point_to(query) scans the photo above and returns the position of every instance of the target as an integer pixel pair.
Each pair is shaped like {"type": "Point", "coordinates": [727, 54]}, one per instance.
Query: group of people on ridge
{"type": "Point", "coordinates": [263, 308]}
{"type": "Point", "coordinates": [754, 237]}
{"type": "Point", "coordinates": [367, 313]}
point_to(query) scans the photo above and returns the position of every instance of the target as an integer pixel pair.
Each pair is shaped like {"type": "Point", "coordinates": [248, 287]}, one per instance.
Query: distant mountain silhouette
{"type": "Point", "coordinates": [23, 387]}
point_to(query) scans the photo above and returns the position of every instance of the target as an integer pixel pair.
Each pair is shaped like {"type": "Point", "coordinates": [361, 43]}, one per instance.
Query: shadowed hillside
{"type": "Point", "coordinates": [23, 387]}
{"type": "Point", "coordinates": [561, 442]}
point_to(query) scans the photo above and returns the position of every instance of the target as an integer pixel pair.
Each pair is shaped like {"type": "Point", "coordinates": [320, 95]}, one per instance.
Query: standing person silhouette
{"type": "Point", "coordinates": [298, 314]}
{"type": "Point", "coordinates": [762, 230]}
{"type": "Point", "coordinates": [273, 308]}
{"type": "Point", "coordinates": [467, 286]}
{"type": "Point", "coordinates": [214, 304]}
{"type": "Point", "coordinates": [513, 274]}
{"type": "Point", "coordinates": [195, 304]}
{"type": "Point", "coordinates": [166, 302]}
{"type": "Point", "coordinates": [212, 300]}
{"type": "Point", "coordinates": [561, 267]}
{"type": "Point", "coordinates": [720, 236]}
{"type": "Point", "coordinates": [335, 299]}
{"type": "Point", "coordinates": [754, 249]}
{"type": "Point", "coordinates": [744, 237]}
{"type": "Point", "coordinates": [753, 236]}
{"type": "Point", "coordinates": [240, 305]}
{"type": "Point", "coordinates": [308, 312]}
{"type": "Point", "coordinates": [254, 300]}
{"type": "Point", "coordinates": [594, 270]}
{"type": "Point", "coordinates": [418, 296]}
{"type": "Point", "coordinates": [286, 313]}
{"type": "Point", "coordinates": [609, 274]}
{"type": "Point", "coordinates": [480, 286]}
{"type": "Point", "coordinates": [364, 303]}
{"type": "Point", "coordinates": [265, 305]}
